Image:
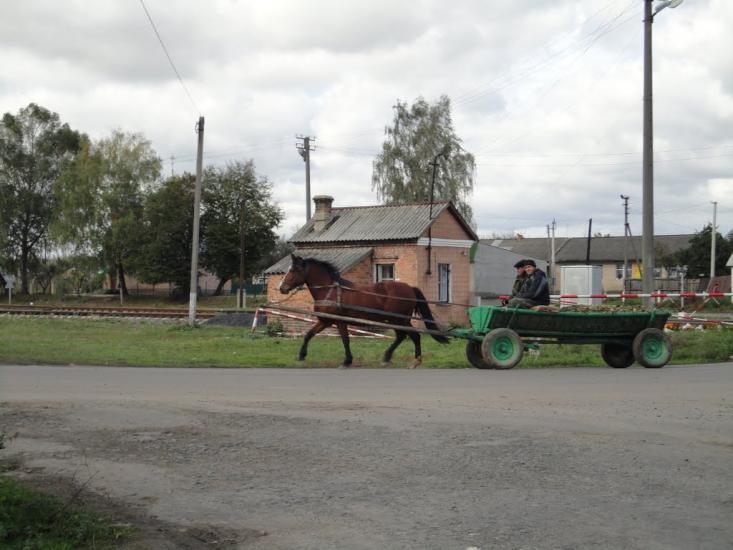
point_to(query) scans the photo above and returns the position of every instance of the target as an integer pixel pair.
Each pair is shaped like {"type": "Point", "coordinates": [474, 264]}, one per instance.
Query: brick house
{"type": "Point", "coordinates": [377, 243]}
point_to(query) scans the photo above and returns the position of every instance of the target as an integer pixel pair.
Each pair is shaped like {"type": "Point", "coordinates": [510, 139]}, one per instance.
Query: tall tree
{"type": "Point", "coordinates": [421, 134]}
{"type": "Point", "coordinates": [102, 198]}
{"type": "Point", "coordinates": [168, 227]}
{"type": "Point", "coordinates": [226, 192]}
{"type": "Point", "coordinates": [34, 149]}
{"type": "Point", "coordinates": [697, 255]}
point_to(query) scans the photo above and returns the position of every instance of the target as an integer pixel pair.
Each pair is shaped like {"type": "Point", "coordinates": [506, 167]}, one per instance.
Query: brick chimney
{"type": "Point", "coordinates": [323, 212]}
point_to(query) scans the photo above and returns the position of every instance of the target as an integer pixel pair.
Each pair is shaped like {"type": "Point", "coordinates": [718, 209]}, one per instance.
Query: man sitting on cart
{"type": "Point", "coordinates": [534, 291]}
{"type": "Point", "coordinates": [518, 281]}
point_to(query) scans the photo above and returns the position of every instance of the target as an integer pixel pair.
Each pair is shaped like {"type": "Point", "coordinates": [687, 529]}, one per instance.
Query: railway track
{"type": "Point", "coordinates": [80, 311]}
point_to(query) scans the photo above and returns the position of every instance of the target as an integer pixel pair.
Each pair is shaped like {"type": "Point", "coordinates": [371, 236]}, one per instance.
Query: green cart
{"type": "Point", "coordinates": [499, 336]}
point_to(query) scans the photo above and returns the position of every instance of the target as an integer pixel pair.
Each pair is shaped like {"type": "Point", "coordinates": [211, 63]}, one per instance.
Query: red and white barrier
{"type": "Point", "coordinates": [626, 295]}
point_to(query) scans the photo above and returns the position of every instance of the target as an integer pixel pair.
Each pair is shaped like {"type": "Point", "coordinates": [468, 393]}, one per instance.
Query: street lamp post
{"type": "Point", "coordinates": [647, 237]}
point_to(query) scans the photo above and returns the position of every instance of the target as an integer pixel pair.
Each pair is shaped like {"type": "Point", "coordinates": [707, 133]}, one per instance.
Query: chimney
{"type": "Point", "coordinates": [323, 212]}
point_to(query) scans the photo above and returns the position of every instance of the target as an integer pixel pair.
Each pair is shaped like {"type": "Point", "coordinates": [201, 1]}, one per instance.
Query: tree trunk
{"type": "Point", "coordinates": [121, 275]}
{"type": "Point", "coordinates": [219, 286]}
{"type": "Point", "coordinates": [24, 252]}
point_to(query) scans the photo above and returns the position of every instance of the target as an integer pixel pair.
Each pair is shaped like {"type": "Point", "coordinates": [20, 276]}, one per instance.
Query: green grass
{"type": "Point", "coordinates": [124, 342]}
{"type": "Point", "coordinates": [30, 520]}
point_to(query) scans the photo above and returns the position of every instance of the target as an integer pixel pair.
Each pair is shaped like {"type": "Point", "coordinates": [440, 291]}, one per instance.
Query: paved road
{"type": "Point", "coordinates": [445, 459]}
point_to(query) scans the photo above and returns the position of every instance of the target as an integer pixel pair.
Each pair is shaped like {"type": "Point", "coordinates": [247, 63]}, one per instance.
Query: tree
{"type": "Point", "coordinates": [226, 192]}
{"type": "Point", "coordinates": [102, 197]}
{"type": "Point", "coordinates": [697, 254]}
{"type": "Point", "coordinates": [168, 228]}
{"type": "Point", "coordinates": [35, 147]}
{"type": "Point", "coordinates": [403, 170]}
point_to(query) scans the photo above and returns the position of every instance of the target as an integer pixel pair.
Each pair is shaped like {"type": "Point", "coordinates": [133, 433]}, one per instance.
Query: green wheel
{"type": "Point", "coordinates": [473, 354]}
{"type": "Point", "coordinates": [502, 348]}
{"type": "Point", "coordinates": [618, 356]}
{"type": "Point", "coordinates": [652, 348]}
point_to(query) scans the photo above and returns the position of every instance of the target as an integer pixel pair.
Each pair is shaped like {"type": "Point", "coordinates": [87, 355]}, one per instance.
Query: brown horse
{"type": "Point", "coordinates": [386, 302]}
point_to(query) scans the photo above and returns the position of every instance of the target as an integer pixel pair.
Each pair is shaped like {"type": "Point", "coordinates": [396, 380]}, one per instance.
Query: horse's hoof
{"type": "Point", "coordinates": [344, 366]}
{"type": "Point", "coordinates": [386, 364]}
{"type": "Point", "coordinates": [416, 363]}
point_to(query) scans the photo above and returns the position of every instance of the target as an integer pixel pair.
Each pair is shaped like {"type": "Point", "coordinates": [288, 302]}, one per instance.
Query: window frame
{"type": "Point", "coordinates": [445, 270]}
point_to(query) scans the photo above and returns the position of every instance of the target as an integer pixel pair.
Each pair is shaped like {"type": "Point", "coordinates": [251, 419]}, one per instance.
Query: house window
{"type": "Point", "coordinates": [384, 272]}
{"type": "Point", "coordinates": [620, 270]}
{"type": "Point", "coordinates": [444, 283]}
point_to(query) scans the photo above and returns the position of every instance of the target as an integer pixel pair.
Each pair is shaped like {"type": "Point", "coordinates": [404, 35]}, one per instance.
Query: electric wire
{"type": "Point", "coordinates": [170, 59]}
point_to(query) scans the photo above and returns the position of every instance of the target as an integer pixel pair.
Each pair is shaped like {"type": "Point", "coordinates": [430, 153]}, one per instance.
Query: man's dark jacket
{"type": "Point", "coordinates": [536, 288]}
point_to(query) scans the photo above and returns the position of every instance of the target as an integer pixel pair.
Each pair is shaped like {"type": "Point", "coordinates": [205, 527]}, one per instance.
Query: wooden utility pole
{"type": "Point", "coordinates": [193, 294]}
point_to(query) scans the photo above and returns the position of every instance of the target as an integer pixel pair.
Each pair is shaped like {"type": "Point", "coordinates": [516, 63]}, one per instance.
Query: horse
{"type": "Point", "coordinates": [390, 302]}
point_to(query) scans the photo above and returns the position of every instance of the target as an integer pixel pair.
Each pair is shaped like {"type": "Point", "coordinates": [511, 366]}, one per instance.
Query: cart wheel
{"type": "Point", "coordinates": [502, 348]}
{"type": "Point", "coordinates": [652, 348]}
{"type": "Point", "coordinates": [618, 356]}
{"type": "Point", "coordinates": [473, 353]}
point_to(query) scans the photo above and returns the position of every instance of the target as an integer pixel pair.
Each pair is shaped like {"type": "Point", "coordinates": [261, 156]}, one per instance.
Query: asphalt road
{"type": "Point", "coordinates": [444, 459]}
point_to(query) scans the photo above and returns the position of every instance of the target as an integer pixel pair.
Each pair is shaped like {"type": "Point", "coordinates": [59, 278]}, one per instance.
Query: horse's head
{"type": "Point", "coordinates": [295, 276]}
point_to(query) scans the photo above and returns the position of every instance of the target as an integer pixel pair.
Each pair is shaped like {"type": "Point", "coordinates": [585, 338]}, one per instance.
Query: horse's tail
{"type": "Point", "coordinates": [421, 305]}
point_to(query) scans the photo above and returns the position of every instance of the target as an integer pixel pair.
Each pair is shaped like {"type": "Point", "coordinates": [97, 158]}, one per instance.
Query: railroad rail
{"type": "Point", "coordinates": [83, 311]}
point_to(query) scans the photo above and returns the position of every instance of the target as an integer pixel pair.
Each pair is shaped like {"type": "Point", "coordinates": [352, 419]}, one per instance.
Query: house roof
{"type": "Point", "coordinates": [537, 248]}
{"type": "Point", "coordinates": [602, 249]}
{"type": "Point", "coordinates": [342, 259]}
{"type": "Point", "coordinates": [378, 223]}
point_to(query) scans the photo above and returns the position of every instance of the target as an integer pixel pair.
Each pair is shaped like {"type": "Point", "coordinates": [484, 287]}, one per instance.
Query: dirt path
{"type": "Point", "coordinates": [318, 459]}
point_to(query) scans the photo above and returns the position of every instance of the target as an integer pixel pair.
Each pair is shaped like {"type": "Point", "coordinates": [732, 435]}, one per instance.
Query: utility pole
{"type": "Point", "coordinates": [712, 243]}
{"type": "Point", "coordinates": [193, 293]}
{"type": "Point", "coordinates": [647, 231]}
{"type": "Point", "coordinates": [173, 159]}
{"type": "Point", "coordinates": [305, 151]}
{"type": "Point", "coordinates": [241, 295]}
{"type": "Point", "coordinates": [552, 255]}
{"type": "Point", "coordinates": [626, 240]}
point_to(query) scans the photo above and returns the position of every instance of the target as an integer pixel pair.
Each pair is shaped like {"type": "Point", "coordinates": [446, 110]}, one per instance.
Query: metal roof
{"type": "Point", "coordinates": [377, 223]}
{"type": "Point", "coordinates": [342, 258]}
{"type": "Point", "coordinates": [602, 249]}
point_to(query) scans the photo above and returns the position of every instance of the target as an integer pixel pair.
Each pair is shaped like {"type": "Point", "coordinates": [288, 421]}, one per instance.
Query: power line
{"type": "Point", "coordinates": [170, 60]}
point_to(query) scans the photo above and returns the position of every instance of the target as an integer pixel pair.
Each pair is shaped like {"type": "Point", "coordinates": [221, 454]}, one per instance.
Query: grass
{"type": "Point", "coordinates": [30, 520]}
{"type": "Point", "coordinates": [125, 342]}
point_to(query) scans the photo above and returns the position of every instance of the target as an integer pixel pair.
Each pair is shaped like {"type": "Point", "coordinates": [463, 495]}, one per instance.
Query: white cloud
{"type": "Point", "coordinates": [547, 95]}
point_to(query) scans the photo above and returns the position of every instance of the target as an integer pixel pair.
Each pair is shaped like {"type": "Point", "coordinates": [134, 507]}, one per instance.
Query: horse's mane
{"type": "Point", "coordinates": [332, 270]}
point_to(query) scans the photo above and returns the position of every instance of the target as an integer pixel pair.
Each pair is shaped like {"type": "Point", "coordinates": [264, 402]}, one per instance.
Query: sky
{"type": "Point", "coordinates": [547, 95]}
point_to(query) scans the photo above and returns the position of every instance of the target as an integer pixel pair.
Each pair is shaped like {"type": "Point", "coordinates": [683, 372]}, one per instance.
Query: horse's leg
{"type": "Point", "coordinates": [344, 332]}
{"type": "Point", "coordinates": [318, 327]}
{"type": "Point", "coordinates": [401, 335]}
{"type": "Point", "coordinates": [415, 336]}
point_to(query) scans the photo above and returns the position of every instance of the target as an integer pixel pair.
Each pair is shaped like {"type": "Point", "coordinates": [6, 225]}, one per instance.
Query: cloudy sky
{"type": "Point", "coordinates": [546, 94]}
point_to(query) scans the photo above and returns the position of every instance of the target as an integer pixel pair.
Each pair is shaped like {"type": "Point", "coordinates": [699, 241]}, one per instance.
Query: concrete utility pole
{"type": "Point", "coordinates": [241, 295]}
{"type": "Point", "coordinates": [552, 255]}
{"type": "Point", "coordinates": [193, 294]}
{"type": "Point", "coordinates": [305, 151]}
{"type": "Point", "coordinates": [647, 229]}
{"type": "Point", "coordinates": [712, 243]}
{"type": "Point", "coordinates": [647, 232]}
{"type": "Point", "coordinates": [626, 240]}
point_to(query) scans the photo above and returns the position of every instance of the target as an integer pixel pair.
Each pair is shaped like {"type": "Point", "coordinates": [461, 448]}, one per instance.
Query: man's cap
{"type": "Point", "coordinates": [520, 263]}
{"type": "Point", "coordinates": [530, 262]}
